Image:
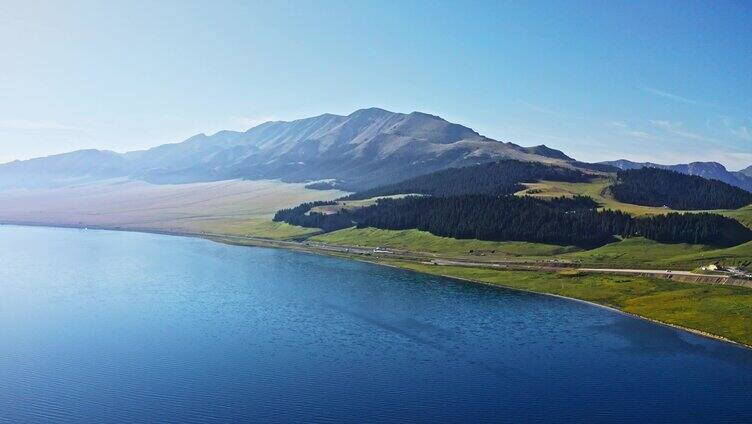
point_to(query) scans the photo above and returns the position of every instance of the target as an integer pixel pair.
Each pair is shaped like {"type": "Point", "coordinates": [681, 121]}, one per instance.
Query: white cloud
{"type": "Point", "coordinates": [642, 135]}
{"type": "Point", "coordinates": [677, 129]}
{"type": "Point", "coordinates": [742, 132]}
{"type": "Point", "coordinates": [547, 111]}
{"type": "Point", "coordinates": [540, 109]}
{"type": "Point", "coordinates": [676, 98]}
{"type": "Point", "coordinates": [28, 125]}
{"type": "Point", "coordinates": [622, 128]}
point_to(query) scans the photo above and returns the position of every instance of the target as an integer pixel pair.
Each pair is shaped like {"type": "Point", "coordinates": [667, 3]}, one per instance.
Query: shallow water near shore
{"type": "Point", "coordinates": [130, 327]}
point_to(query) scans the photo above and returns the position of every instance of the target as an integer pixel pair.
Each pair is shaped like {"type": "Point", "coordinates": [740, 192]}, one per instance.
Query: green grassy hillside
{"type": "Point", "coordinates": [630, 253]}
{"type": "Point", "coordinates": [743, 215]}
{"type": "Point", "coordinates": [646, 254]}
{"type": "Point", "coordinates": [259, 227]}
{"type": "Point", "coordinates": [637, 253]}
{"type": "Point", "coordinates": [740, 255]}
{"type": "Point", "coordinates": [595, 189]}
{"type": "Point", "coordinates": [422, 241]}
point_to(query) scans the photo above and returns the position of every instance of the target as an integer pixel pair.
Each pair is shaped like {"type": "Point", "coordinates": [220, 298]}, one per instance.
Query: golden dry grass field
{"type": "Point", "coordinates": [232, 207]}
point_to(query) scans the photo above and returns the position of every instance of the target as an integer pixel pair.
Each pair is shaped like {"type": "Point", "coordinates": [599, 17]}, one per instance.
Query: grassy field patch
{"type": "Point", "coordinates": [237, 207]}
{"type": "Point", "coordinates": [354, 204]}
{"type": "Point", "coordinates": [259, 227]}
{"type": "Point", "coordinates": [740, 255]}
{"type": "Point", "coordinates": [638, 253]}
{"type": "Point", "coordinates": [743, 215]}
{"type": "Point", "coordinates": [595, 189]}
{"type": "Point", "coordinates": [422, 241]}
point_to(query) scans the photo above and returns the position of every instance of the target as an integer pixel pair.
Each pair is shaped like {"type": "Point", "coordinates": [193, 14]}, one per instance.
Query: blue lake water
{"type": "Point", "coordinates": [99, 326]}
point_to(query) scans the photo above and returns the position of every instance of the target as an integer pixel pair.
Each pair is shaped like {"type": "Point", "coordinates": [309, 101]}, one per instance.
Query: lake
{"type": "Point", "coordinates": [128, 327]}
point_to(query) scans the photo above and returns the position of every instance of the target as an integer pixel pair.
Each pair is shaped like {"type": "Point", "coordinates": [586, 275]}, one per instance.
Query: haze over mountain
{"type": "Point", "coordinates": [369, 147]}
{"type": "Point", "coordinates": [708, 170]}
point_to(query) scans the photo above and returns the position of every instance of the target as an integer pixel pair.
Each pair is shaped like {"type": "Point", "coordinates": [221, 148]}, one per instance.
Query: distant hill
{"type": "Point", "coordinates": [368, 148]}
{"type": "Point", "coordinates": [660, 187]}
{"type": "Point", "coordinates": [65, 169]}
{"type": "Point", "coordinates": [709, 170]}
{"type": "Point", "coordinates": [548, 152]}
{"type": "Point", "coordinates": [494, 178]}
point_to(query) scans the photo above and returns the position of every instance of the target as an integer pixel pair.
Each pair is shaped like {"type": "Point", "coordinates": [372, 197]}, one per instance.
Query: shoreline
{"type": "Point", "coordinates": [574, 299]}
{"type": "Point", "coordinates": [298, 247]}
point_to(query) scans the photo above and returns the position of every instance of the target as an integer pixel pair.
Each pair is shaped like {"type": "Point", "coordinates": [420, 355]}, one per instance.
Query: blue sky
{"type": "Point", "coordinates": [662, 81]}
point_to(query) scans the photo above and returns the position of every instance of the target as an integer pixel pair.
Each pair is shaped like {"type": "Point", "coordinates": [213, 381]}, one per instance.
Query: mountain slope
{"type": "Point", "coordinates": [548, 152]}
{"type": "Point", "coordinates": [708, 170]}
{"type": "Point", "coordinates": [493, 178]}
{"type": "Point", "coordinates": [367, 148]}
{"type": "Point", "coordinates": [63, 169]}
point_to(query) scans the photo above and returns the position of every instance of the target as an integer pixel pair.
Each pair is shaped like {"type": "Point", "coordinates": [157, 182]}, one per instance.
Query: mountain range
{"type": "Point", "coordinates": [708, 170]}
{"type": "Point", "coordinates": [367, 148]}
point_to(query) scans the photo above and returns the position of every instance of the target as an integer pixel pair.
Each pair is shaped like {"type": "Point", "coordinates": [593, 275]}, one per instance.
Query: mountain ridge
{"type": "Point", "coordinates": [366, 148]}
{"type": "Point", "coordinates": [708, 170]}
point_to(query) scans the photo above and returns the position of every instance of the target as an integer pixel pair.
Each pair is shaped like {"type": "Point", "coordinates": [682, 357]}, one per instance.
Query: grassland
{"type": "Point", "coordinates": [354, 204]}
{"type": "Point", "coordinates": [236, 207]}
{"type": "Point", "coordinates": [718, 310]}
{"type": "Point", "coordinates": [421, 241]}
{"type": "Point", "coordinates": [244, 208]}
{"type": "Point", "coordinates": [743, 215]}
{"type": "Point", "coordinates": [639, 253]}
{"type": "Point", "coordinates": [631, 253]}
{"type": "Point", "coordinates": [596, 189]}
{"type": "Point", "coordinates": [740, 255]}
{"type": "Point", "coordinates": [259, 227]}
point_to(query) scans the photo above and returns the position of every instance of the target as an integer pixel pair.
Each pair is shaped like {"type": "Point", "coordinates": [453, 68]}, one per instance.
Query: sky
{"type": "Point", "coordinates": [659, 81]}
